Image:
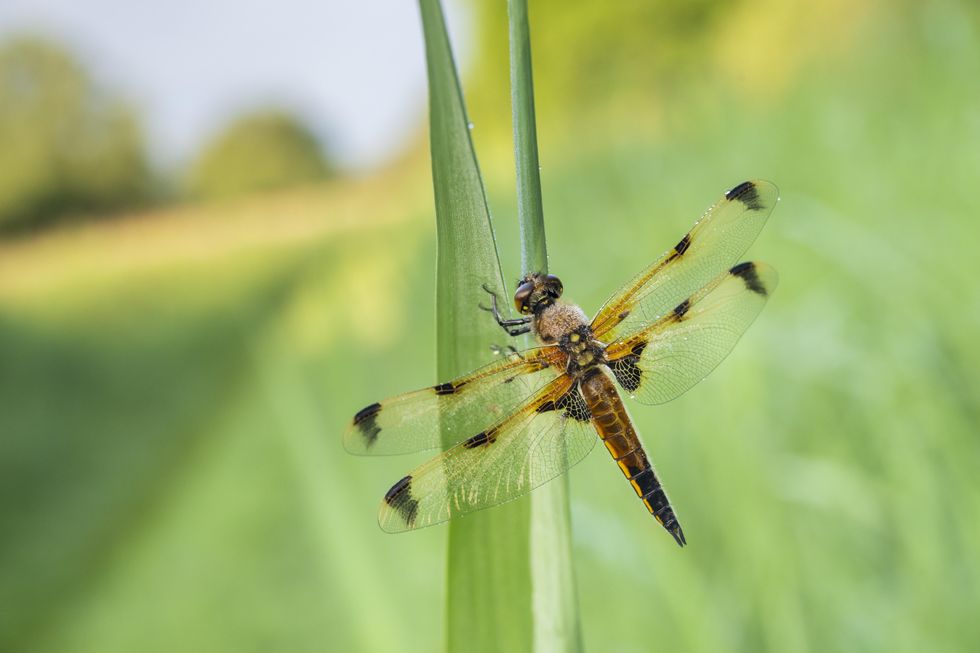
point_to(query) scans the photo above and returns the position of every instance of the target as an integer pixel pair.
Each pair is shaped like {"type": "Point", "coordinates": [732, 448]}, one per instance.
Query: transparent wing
{"type": "Point", "coordinates": [713, 245]}
{"type": "Point", "coordinates": [540, 441]}
{"type": "Point", "coordinates": [664, 360]}
{"type": "Point", "coordinates": [467, 405]}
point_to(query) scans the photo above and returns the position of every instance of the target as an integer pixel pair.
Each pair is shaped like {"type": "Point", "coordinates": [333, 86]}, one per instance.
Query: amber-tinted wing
{"type": "Point", "coordinates": [539, 441]}
{"type": "Point", "coordinates": [663, 360]}
{"type": "Point", "coordinates": [713, 245]}
{"type": "Point", "coordinates": [467, 405]}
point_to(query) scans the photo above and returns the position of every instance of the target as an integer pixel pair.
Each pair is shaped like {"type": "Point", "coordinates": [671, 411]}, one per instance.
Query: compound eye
{"type": "Point", "coordinates": [522, 297]}
{"type": "Point", "coordinates": [553, 286]}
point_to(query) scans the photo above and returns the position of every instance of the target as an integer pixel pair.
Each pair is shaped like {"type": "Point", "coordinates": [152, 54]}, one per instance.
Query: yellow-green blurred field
{"type": "Point", "coordinates": [174, 384]}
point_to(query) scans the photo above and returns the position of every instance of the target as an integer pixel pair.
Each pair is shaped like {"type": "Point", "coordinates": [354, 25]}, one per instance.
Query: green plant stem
{"type": "Point", "coordinates": [530, 210]}
{"type": "Point", "coordinates": [554, 600]}
{"type": "Point", "coordinates": [488, 570]}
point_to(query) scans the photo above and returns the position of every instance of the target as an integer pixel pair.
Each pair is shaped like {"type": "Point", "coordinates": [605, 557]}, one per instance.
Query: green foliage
{"type": "Point", "coordinates": [489, 577]}
{"type": "Point", "coordinates": [530, 207]}
{"type": "Point", "coordinates": [555, 604]}
{"type": "Point", "coordinates": [66, 148]}
{"type": "Point", "coordinates": [596, 59]}
{"type": "Point", "coordinates": [263, 150]}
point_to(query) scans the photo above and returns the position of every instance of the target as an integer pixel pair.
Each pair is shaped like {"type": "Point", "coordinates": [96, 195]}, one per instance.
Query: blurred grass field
{"type": "Point", "coordinates": [173, 387]}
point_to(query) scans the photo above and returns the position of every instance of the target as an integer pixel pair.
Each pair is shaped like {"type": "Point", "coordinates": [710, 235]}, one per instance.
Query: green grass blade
{"type": "Point", "coordinates": [530, 210]}
{"type": "Point", "coordinates": [489, 584]}
{"type": "Point", "coordinates": [554, 600]}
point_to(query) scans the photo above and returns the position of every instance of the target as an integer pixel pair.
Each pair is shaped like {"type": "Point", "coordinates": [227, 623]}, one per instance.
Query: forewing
{"type": "Point", "coordinates": [667, 358]}
{"type": "Point", "coordinates": [713, 245]}
{"type": "Point", "coordinates": [540, 441]}
{"type": "Point", "coordinates": [468, 405]}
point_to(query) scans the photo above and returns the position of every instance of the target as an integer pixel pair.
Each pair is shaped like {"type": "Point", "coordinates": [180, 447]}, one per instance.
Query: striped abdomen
{"type": "Point", "coordinates": [616, 430]}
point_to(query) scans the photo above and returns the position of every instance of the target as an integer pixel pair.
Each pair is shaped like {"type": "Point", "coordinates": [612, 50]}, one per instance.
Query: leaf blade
{"type": "Point", "coordinates": [554, 599]}
{"type": "Point", "coordinates": [488, 580]}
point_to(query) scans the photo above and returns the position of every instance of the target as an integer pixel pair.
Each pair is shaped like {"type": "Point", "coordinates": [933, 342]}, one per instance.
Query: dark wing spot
{"type": "Point", "coordinates": [402, 485]}
{"type": "Point", "coordinates": [682, 246]}
{"type": "Point", "coordinates": [623, 315]}
{"type": "Point", "coordinates": [366, 413]}
{"type": "Point", "coordinates": [571, 403]}
{"type": "Point", "coordinates": [747, 272]}
{"type": "Point", "coordinates": [444, 389]}
{"type": "Point", "coordinates": [627, 372]}
{"type": "Point", "coordinates": [481, 439]}
{"type": "Point", "coordinates": [574, 405]}
{"type": "Point", "coordinates": [366, 423]}
{"type": "Point", "coordinates": [627, 369]}
{"type": "Point", "coordinates": [400, 498]}
{"type": "Point", "coordinates": [681, 309]}
{"type": "Point", "coordinates": [747, 194]}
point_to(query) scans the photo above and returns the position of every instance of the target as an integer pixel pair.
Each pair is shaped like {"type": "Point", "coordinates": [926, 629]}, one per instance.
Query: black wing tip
{"type": "Point", "coordinates": [738, 189]}
{"type": "Point", "coordinates": [366, 413]}
{"type": "Point", "coordinates": [400, 498]}
{"type": "Point", "coordinates": [364, 422]}
{"type": "Point", "coordinates": [748, 194]}
{"type": "Point", "coordinates": [402, 485]}
{"type": "Point", "coordinates": [748, 273]}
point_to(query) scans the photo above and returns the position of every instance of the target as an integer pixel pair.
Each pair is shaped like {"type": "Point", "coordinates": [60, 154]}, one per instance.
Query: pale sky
{"type": "Point", "coordinates": [355, 71]}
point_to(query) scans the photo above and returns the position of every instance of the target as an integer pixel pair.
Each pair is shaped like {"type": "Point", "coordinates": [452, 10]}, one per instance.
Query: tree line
{"type": "Point", "coordinates": [70, 150]}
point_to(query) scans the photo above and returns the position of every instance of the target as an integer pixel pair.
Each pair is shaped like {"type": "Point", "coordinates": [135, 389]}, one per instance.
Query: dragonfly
{"type": "Point", "coordinates": [530, 415]}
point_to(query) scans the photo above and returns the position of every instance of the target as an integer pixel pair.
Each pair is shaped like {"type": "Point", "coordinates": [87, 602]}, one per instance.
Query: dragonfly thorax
{"type": "Point", "coordinates": [567, 326]}
{"type": "Point", "coordinates": [557, 321]}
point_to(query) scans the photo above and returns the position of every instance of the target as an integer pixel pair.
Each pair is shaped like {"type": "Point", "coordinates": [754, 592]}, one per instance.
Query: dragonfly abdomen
{"type": "Point", "coordinates": [616, 431]}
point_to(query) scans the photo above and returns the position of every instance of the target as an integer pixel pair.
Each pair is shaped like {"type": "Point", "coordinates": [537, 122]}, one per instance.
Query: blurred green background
{"type": "Point", "coordinates": [181, 351]}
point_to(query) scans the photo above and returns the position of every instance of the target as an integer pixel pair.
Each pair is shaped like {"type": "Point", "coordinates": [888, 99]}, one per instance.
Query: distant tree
{"type": "Point", "coordinates": [65, 148]}
{"type": "Point", "coordinates": [259, 151]}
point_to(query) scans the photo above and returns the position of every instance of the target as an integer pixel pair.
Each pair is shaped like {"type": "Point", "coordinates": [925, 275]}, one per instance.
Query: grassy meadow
{"type": "Point", "coordinates": [174, 385]}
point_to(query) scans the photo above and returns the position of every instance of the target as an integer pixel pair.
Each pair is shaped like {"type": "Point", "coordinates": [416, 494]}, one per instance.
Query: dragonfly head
{"type": "Point", "coordinates": [536, 291]}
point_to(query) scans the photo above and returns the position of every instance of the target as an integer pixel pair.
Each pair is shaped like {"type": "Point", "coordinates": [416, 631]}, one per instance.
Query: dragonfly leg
{"type": "Point", "coordinates": [514, 327]}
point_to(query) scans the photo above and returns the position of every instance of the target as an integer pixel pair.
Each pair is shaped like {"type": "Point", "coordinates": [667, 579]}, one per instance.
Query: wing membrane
{"type": "Point", "coordinates": [670, 356]}
{"type": "Point", "coordinates": [540, 441]}
{"type": "Point", "coordinates": [714, 244]}
{"type": "Point", "coordinates": [467, 405]}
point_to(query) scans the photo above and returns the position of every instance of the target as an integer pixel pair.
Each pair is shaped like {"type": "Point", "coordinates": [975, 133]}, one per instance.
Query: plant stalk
{"type": "Point", "coordinates": [488, 561]}
{"type": "Point", "coordinates": [554, 599]}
